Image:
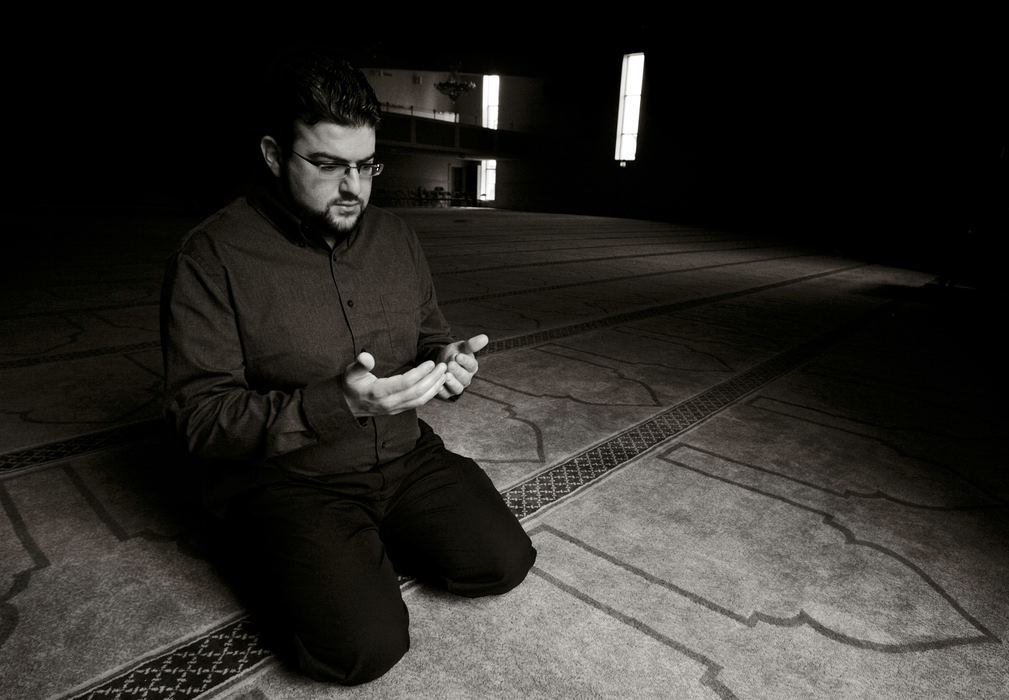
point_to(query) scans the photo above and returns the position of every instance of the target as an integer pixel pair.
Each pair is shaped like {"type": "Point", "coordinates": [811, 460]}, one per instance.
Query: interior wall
{"type": "Point", "coordinates": [521, 104]}
{"type": "Point", "coordinates": [520, 97]}
{"type": "Point", "coordinates": [410, 172]}
{"type": "Point", "coordinates": [886, 135]}
{"type": "Point", "coordinates": [896, 148]}
{"type": "Point", "coordinates": [416, 89]}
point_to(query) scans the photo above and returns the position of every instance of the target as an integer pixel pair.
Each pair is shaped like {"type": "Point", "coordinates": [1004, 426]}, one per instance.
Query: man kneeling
{"type": "Point", "coordinates": [301, 332]}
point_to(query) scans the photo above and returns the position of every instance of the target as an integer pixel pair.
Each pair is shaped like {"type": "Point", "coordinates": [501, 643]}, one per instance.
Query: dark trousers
{"type": "Point", "coordinates": [326, 554]}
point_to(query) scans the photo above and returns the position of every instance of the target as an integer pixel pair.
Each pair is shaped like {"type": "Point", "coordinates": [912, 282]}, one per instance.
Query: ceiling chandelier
{"type": "Point", "coordinates": [454, 88]}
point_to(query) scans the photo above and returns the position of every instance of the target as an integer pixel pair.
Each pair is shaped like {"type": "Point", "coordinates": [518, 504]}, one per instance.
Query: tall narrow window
{"type": "Point", "coordinates": [491, 88]}
{"type": "Point", "coordinates": [487, 172]}
{"type": "Point", "coordinates": [487, 179]}
{"type": "Point", "coordinates": [631, 79]}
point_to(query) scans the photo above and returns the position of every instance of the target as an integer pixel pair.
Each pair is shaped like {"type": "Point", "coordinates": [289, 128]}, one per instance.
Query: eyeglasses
{"type": "Point", "coordinates": [337, 171]}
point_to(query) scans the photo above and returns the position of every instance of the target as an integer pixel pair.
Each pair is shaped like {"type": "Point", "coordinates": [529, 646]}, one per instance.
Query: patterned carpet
{"type": "Point", "coordinates": [751, 468]}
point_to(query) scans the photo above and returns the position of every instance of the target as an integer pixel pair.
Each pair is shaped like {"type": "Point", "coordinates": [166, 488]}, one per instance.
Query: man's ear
{"type": "Point", "coordinates": [271, 154]}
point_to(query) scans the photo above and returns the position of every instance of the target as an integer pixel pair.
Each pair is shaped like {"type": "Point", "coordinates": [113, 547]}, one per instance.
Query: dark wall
{"type": "Point", "coordinates": [886, 133]}
{"type": "Point", "coordinates": [131, 117]}
{"type": "Point", "coordinates": [864, 137]}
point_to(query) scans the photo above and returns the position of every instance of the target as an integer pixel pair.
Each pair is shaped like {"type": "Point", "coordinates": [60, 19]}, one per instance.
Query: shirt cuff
{"type": "Point", "coordinates": [430, 352]}
{"type": "Point", "coordinates": [326, 410]}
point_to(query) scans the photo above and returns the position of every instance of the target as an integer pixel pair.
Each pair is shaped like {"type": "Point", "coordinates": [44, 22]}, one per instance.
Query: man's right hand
{"type": "Point", "coordinates": [367, 395]}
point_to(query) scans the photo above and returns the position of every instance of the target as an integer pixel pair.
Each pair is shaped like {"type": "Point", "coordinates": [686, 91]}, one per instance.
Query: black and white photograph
{"type": "Point", "coordinates": [461, 353]}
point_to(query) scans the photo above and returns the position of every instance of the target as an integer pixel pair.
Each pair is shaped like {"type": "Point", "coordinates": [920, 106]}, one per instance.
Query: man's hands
{"type": "Point", "coordinates": [460, 358]}
{"type": "Point", "coordinates": [367, 395]}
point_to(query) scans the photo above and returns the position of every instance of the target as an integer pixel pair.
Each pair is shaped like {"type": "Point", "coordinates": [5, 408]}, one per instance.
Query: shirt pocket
{"type": "Point", "coordinates": [402, 319]}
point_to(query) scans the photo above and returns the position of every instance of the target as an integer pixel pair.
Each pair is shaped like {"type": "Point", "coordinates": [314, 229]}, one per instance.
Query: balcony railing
{"type": "Point", "coordinates": [449, 132]}
{"type": "Point", "coordinates": [453, 117]}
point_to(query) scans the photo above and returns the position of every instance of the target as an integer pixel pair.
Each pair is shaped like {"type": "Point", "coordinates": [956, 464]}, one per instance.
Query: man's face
{"type": "Point", "coordinates": [335, 203]}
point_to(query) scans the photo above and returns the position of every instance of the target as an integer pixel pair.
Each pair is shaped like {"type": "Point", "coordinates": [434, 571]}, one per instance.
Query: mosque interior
{"type": "Point", "coordinates": [741, 390]}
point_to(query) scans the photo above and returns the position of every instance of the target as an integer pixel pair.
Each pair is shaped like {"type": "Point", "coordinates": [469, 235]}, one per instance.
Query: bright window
{"type": "Point", "coordinates": [487, 179]}
{"type": "Point", "coordinates": [491, 88]}
{"type": "Point", "coordinates": [487, 172]}
{"type": "Point", "coordinates": [631, 79]}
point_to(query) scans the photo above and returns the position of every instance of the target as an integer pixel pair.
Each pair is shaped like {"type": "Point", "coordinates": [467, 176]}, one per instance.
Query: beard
{"type": "Point", "coordinates": [340, 216]}
{"type": "Point", "coordinates": [341, 221]}
{"type": "Point", "coordinates": [335, 219]}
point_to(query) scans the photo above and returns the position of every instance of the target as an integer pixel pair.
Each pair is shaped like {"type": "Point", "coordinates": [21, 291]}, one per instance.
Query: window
{"type": "Point", "coordinates": [491, 89]}
{"type": "Point", "coordinates": [487, 172]}
{"type": "Point", "coordinates": [631, 79]}
{"type": "Point", "coordinates": [487, 179]}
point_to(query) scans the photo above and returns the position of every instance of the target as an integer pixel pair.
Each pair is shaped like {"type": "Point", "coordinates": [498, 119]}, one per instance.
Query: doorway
{"type": "Point", "coordinates": [463, 181]}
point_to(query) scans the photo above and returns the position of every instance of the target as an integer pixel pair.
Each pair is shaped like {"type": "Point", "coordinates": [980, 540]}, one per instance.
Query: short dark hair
{"type": "Point", "coordinates": [312, 85]}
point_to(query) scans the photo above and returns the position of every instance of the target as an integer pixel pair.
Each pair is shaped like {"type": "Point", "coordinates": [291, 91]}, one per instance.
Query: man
{"type": "Point", "coordinates": [301, 332]}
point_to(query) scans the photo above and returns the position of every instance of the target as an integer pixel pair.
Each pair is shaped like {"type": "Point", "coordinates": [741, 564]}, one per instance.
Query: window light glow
{"type": "Point", "coordinates": [487, 179]}
{"type": "Point", "coordinates": [487, 171]}
{"type": "Point", "coordinates": [629, 111]}
{"type": "Point", "coordinates": [491, 89]}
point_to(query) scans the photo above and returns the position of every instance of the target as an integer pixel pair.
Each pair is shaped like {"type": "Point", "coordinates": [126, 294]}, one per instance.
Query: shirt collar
{"type": "Point", "coordinates": [267, 201]}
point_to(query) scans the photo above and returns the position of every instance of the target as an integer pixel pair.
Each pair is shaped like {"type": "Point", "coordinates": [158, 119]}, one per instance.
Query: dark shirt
{"type": "Point", "coordinates": [260, 318]}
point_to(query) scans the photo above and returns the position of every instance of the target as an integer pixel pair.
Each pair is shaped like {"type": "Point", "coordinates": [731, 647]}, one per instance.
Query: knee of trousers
{"type": "Point", "coordinates": [353, 657]}
{"type": "Point", "coordinates": [500, 574]}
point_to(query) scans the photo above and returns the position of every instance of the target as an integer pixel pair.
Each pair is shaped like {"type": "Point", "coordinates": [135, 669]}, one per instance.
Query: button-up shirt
{"type": "Point", "coordinates": [260, 319]}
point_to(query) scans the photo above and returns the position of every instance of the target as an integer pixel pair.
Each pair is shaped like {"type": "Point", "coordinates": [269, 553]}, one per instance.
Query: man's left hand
{"type": "Point", "coordinates": [462, 365]}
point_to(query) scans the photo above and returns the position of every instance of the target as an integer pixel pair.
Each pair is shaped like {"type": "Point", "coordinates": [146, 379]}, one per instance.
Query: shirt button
{"type": "Point", "coordinates": [350, 302]}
